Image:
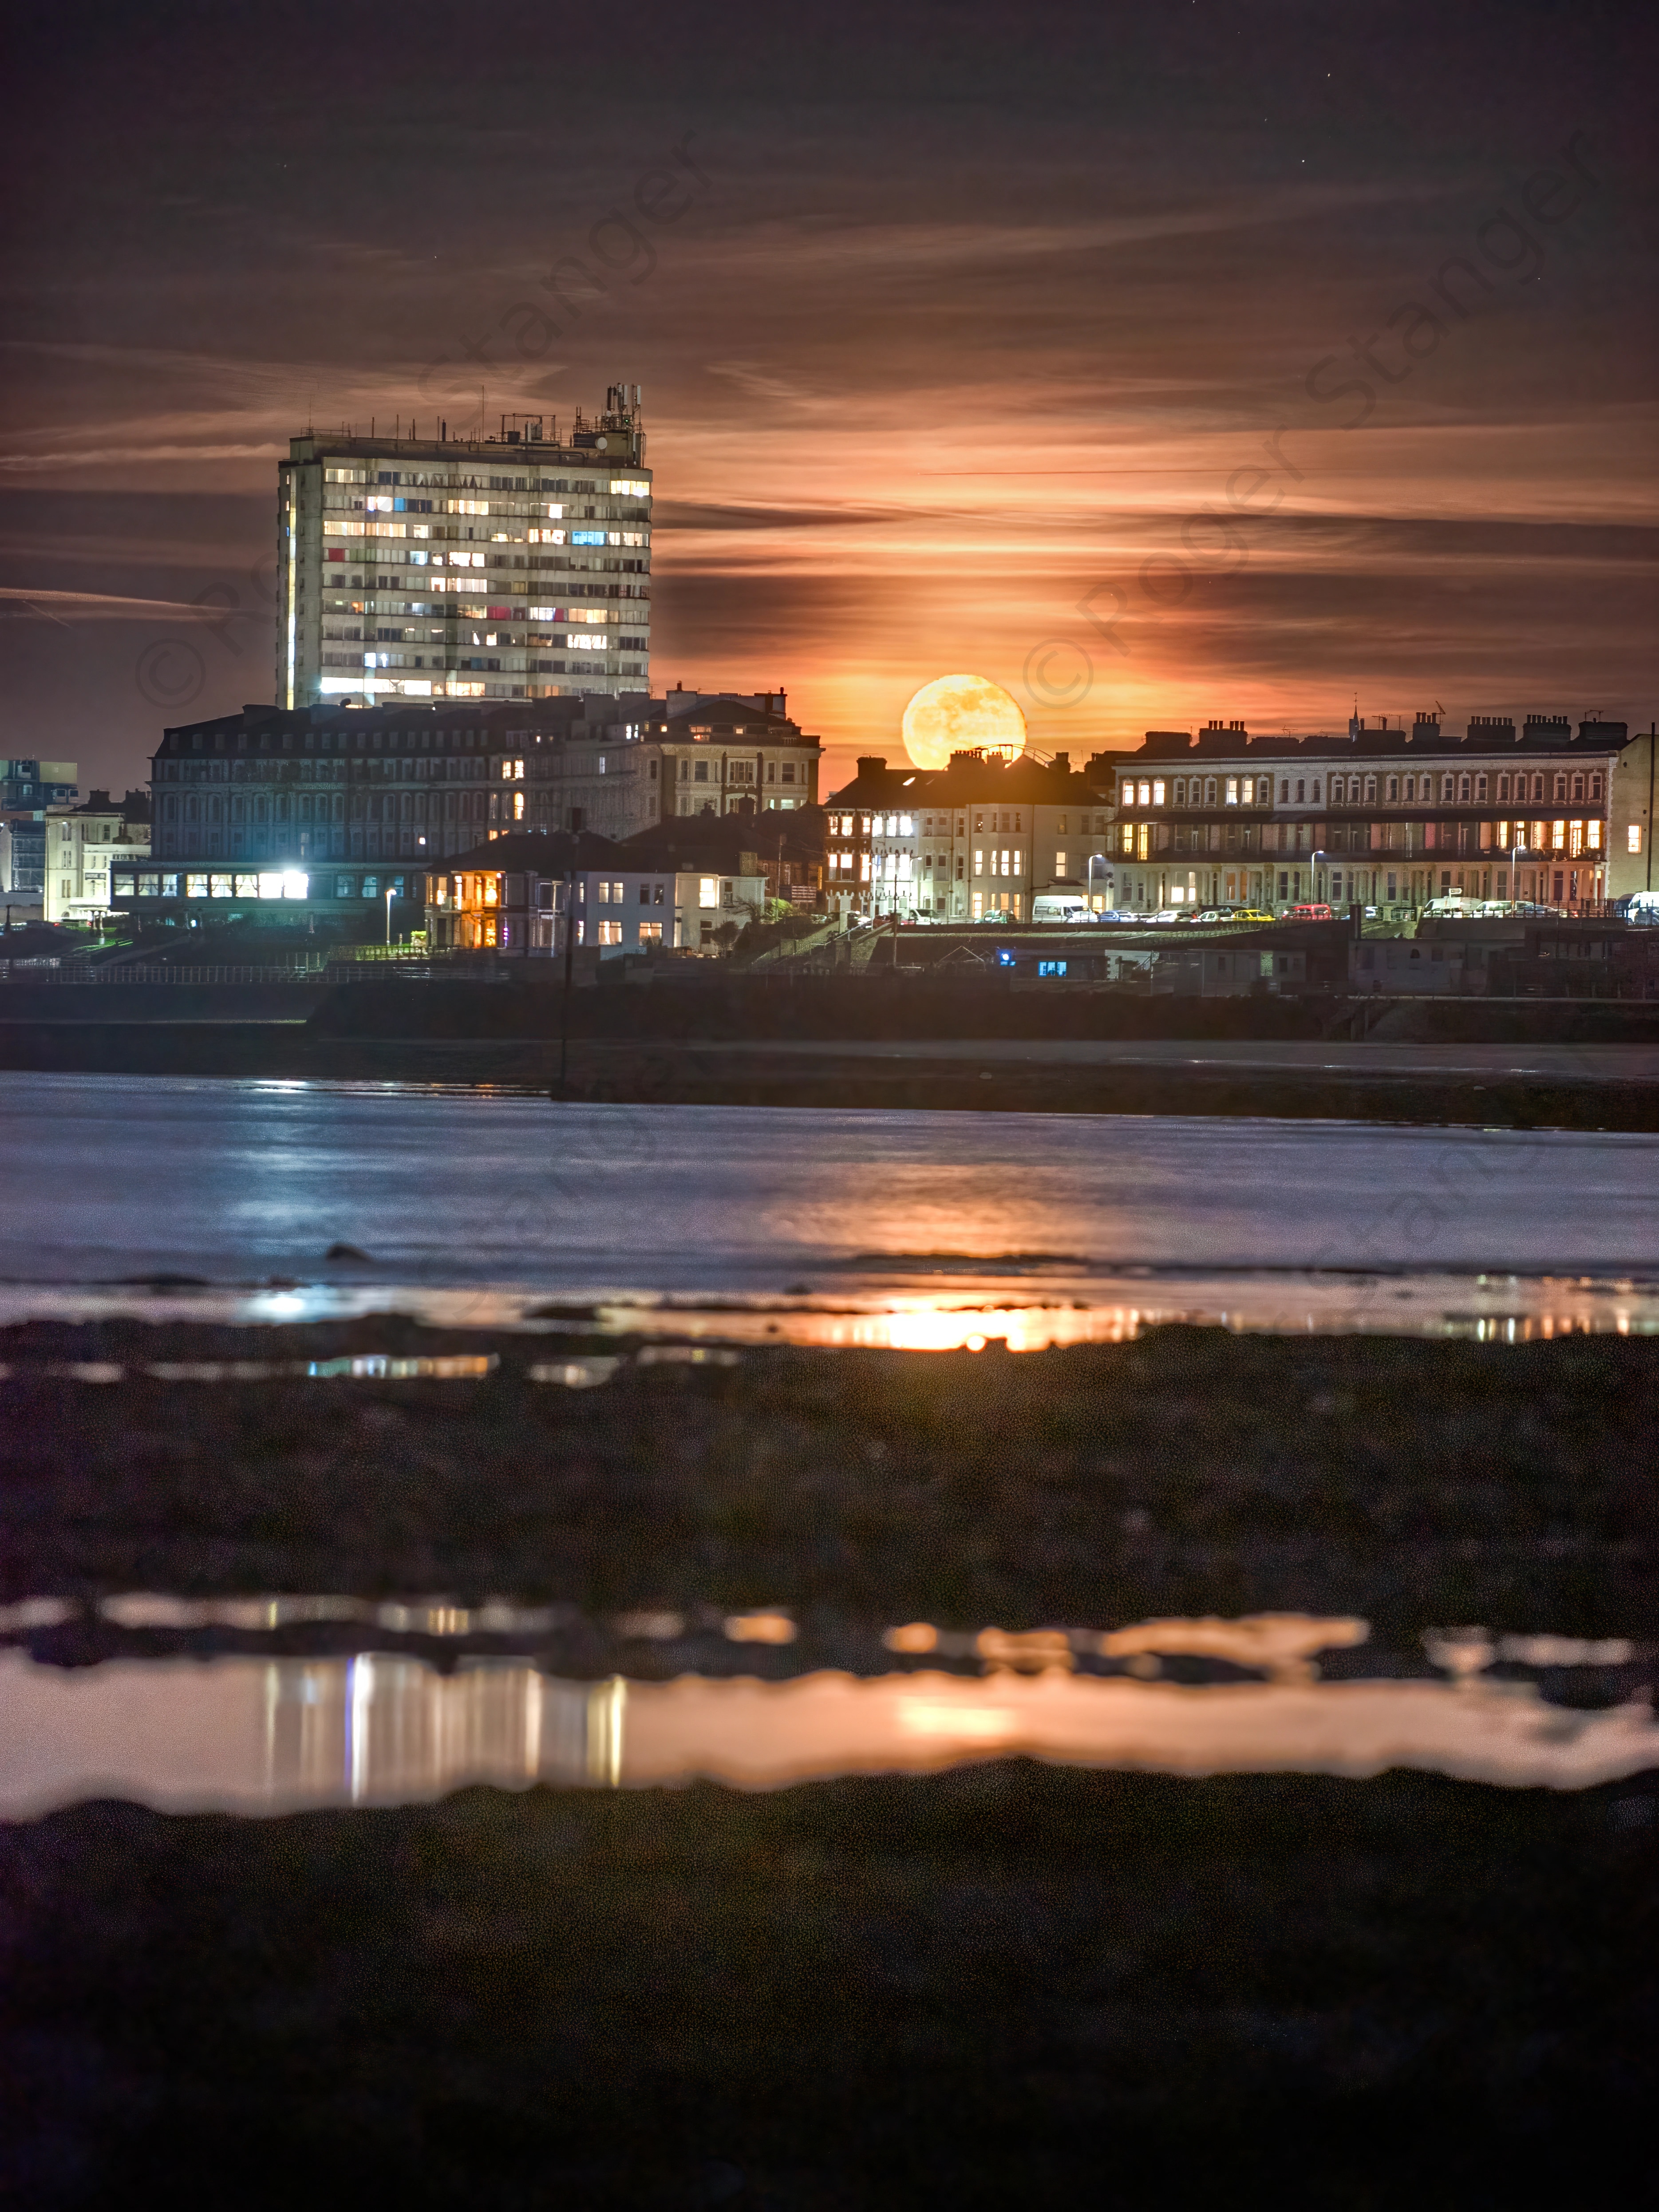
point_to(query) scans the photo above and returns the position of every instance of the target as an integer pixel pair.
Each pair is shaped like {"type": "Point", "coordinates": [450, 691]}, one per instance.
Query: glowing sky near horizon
{"type": "Point", "coordinates": [983, 343]}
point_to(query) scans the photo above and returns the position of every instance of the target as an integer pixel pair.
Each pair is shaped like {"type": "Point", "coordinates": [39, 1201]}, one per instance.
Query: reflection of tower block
{"type": "Point", "coordinates": [388, 1730]}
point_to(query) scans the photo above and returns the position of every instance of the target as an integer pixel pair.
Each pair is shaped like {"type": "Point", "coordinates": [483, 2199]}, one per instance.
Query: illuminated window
{"type": "Point", "coordinates": [1557, 834]}
{"type": "Point", "coordinates": [1128, 839]}
{"type": "Point", "coordinates": [1157, 795]}
{"type": "Point", "coordinates": [708, 890]}
{"type": "Point", "coordinates": [610, 932]}
{"type": "Point", "coordinates": [517, 806]}
{"type": "Point", "coordinates": [1059, 863]}
{"type": "Point", "coordinates": [650, 932]}
{"type": "Point", "coordinates": [1633, 838]}
{"type": "Point", "coordinates": [1593, 835]}
{"type": "Point", "coordinates": [1232, 791]}
{"type": "Point", "coordinates": [630, 488]}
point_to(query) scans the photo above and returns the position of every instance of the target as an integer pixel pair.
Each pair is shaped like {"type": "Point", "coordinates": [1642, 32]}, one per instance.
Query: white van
{"type": "Point", "coordinates": [1060, 906]}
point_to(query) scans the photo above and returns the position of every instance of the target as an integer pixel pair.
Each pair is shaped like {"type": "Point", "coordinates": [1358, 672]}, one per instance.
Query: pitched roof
{"type": "Point", "coordinates": [530, 849]}
{"type": "Point", "coordinates": [972, 779]}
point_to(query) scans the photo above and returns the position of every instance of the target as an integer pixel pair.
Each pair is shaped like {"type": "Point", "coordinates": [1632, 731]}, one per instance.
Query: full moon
{"type": "Point", "coordinates": [961, 713]}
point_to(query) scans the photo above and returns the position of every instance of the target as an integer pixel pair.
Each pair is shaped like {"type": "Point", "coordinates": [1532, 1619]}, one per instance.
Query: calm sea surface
{"type": "Point", "coordinates": [235, 1183]}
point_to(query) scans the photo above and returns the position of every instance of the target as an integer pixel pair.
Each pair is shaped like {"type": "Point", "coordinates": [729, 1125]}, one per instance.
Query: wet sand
{"type": "Point", "coordinates": [1003, 1985]}
{"type": "Point", "coordinates": [1413, 1483]}
{"type": "Point", "coordinates": [1007, 1984]}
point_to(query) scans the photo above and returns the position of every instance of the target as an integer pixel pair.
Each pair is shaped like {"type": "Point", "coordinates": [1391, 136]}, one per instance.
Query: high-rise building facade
{"type": "Point", "coordinates": [512, 566]}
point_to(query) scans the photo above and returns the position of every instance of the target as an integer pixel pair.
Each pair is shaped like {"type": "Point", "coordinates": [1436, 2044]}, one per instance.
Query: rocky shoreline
{"type": "Point", "coordinates": [1009, 1984]}
{"type": "Point", "coordinates": [1413, 1482]}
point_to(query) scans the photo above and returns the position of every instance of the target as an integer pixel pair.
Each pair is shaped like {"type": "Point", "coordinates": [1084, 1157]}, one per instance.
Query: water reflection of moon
{"type": "Point", "coordinates": [961, 713]}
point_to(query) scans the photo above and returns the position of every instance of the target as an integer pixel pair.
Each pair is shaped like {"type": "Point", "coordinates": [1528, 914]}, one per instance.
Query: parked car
{"type": "Point", "coordinates": [1060, 906]}
{"type": "Point", "coordinates": [1312, 913]}
{"type": "Point", "coordinates": [1251, 913]}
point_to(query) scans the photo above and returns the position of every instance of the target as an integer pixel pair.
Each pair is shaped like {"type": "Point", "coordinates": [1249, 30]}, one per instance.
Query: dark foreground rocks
{"type": "Point", "coordinates": [1005, 1986]}
{"type": "Point", "coordinates": [1417, 1483]}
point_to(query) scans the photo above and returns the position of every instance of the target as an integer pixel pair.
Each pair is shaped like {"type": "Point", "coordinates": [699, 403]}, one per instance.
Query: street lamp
{"type": "Point", "coordinates": [388, 916]}
{"type": "Point", "coordinates": [1088, 876]}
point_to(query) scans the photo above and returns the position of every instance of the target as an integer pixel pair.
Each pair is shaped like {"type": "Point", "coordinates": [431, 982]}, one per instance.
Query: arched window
{"type": "Point", "coordinates": [1480, 787]}
{"type": "Point", "coordinates": [1467, 791]}
{"type": "Point", "coordinates": [1578, 786]}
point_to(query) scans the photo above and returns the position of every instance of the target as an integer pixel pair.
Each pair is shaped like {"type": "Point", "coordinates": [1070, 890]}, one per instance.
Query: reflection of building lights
{"type": "Point", "coordinates": [975, 1723]}
{"type": "Point", "coordinates": [607, 1705]}
{"type": "Point", "coordinates": [359, 1696]}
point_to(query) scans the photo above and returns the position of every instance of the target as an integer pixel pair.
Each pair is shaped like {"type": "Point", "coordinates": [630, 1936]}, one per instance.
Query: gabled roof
{"type": "Point", "coordinates": [971, 780]}
{"type": "Point", "coordinates": [530, 850]}
{"type": "Point", "coordinates": [715, 840]}
{"type": "Point", "coordinates": [134, 807]}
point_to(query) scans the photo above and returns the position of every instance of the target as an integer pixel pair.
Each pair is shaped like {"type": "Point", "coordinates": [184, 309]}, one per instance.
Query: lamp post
{"type": "Point", "coordinates": [388, 916]}
{"type": "Point", "coordinates": [1088, 876]}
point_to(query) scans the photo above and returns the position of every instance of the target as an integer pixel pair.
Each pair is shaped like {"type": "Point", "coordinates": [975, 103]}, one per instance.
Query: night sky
{"type": "Point", "coordinates": [971, 337]}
